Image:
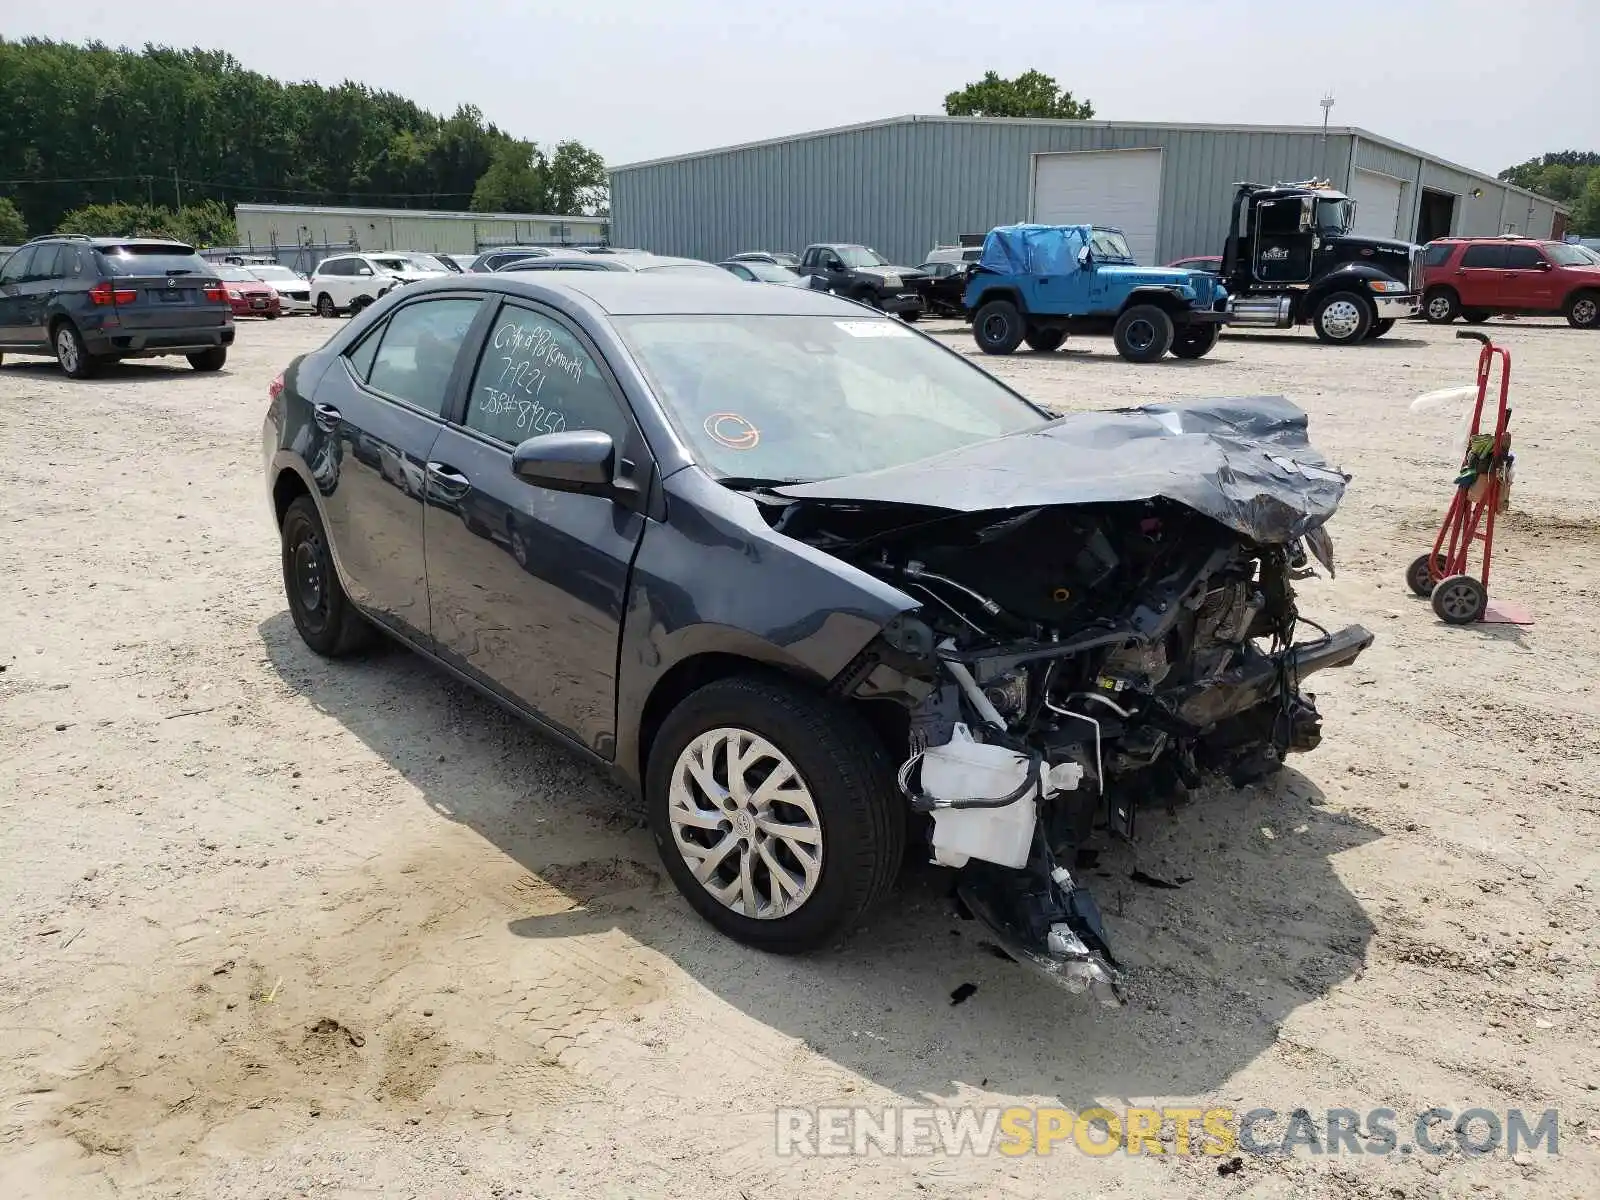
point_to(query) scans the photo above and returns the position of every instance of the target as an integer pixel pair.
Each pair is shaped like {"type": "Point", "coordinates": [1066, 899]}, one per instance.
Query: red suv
{"type": "Point", "coordinates": [1476, 278]}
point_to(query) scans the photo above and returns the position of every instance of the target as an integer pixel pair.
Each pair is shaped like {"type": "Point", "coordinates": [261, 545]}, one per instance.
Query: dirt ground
{"type": "Point", "coordinates": [273, 927]}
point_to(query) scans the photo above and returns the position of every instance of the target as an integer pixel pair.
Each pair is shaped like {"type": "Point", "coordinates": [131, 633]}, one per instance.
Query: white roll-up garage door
{"type": "Point", "coordinates": [1377, 200]}
{"type": "Point", "coordinates": [1119, 188]}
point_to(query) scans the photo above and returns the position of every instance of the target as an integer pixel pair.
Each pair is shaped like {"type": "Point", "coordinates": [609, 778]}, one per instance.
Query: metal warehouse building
{"type": "Point", "coordinates": [276, 225]}
{"type": "Point", "coordinates": [909, 183]}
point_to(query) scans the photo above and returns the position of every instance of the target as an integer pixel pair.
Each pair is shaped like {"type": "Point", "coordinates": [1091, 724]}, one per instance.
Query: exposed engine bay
{"type": "Point", "coordinates": [1073, 662]}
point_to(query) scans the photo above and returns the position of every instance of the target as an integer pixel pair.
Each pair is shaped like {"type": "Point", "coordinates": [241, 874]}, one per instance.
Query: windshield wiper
{"type": "Point", "coordinates": [755, 482]}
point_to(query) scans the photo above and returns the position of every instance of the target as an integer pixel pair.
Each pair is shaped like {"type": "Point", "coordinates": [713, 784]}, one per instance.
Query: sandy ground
{"type": "Point", "coordinates": [271, 927]}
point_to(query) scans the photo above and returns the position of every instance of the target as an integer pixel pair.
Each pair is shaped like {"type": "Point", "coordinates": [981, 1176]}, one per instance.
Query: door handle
{"type": "Point", "coordinates": [327, 417]}
{"type": "Point", "coordinates": [451, 483]}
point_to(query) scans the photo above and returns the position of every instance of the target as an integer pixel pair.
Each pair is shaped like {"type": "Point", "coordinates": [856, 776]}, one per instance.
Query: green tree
{"type": "Point", "coordinates": [577, 179]}
{"type": "Point", "coordinates": [1031, 94]}
{"type": "Point", "coordinates": [1567, 177]}
{"type": "Point", "coordinates": [13, 229]}
{"type": "Point", "coordinates": [205, 224]}
{"type": "Point", "coordinates": [517, 181]}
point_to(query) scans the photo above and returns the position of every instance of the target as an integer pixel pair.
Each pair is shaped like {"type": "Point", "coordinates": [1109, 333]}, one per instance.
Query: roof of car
{"type": "Point", "coordinates": [627, 293]}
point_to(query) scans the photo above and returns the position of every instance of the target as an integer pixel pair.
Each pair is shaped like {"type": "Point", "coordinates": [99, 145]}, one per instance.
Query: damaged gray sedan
{"type": "Point", "coordinates": [812, 583]}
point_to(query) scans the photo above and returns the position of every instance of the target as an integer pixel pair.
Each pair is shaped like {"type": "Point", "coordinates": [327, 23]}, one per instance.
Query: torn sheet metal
{"type": "Point", "coordinates": [1245, 462]}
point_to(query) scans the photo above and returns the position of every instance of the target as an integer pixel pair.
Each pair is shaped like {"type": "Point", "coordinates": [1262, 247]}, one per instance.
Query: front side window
{"type": "Point", "coordinates": [17, 265]}
{"type": "Point", "coordinates": [1437, 254]}
{"type": "Point", "coordinates": [1523, 258]}
{"type": "Point", "coordinates": [336, 266]}
{"type": "Point", "coordinates": [418, 350]}
{"type": "Point", "coordinates": [1484, 255]}
{"type": "Point", "coordinates": [1567, 255]}
{"type": "Point", "coordinates": [806, 397]}
{"type": "Point", "coordinates": [1336, 216]}
{"type": "Point", "coordinates": [536, 377]}
{"type": "Point", "coordinates": [46, 262]}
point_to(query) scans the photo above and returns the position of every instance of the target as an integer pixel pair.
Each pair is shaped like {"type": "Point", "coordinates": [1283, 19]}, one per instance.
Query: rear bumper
{"type": "Point", "coordinates": [1393, 307]}
{"type": "Point", "coordinates": [136, 343]}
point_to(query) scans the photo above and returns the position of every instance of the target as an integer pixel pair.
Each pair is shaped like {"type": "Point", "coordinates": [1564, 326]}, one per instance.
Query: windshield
{"type": "Point", "coordinates": [273, 273]}
{"type": "Point", "coordinates": [1109, 244]}
{"type": "Point", "coordinates": [154, 258]}
{"type": "Point", "coordinates": [1569, 256]}
{"type": "Point", "coordinates": [235, 275]}
{"type": "Point", "coordinates": [770, 272]}
{"type": "Point", "coordinates": [860, 256]}
{"type": "Point", "coordinates": [427, 262]}
{"type": "Point", "coordinates": [1335, 216]}
{"type": "Point", "coordinates": [804, 398]}
{"type": "Point", "coordinates": [392, 264]}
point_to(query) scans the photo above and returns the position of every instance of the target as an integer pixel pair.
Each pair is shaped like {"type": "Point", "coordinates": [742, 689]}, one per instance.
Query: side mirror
{"type": "Point", "coordinates": [576, 460]}
{"type": "Point", "coordinates": [1084, 256]}
{"type": "Point", "coordinates": [364, 271]}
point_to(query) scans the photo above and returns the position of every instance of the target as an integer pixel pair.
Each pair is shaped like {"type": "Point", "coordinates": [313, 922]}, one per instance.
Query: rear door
{"type": "Point", "coordinates": [1480, 277]}
{"type": "Point", "coordinates": [168, 286]}
{"type": "Point", "coordinates": [377, 413]}
{"type": "Point", "coordinates": [527, 584]}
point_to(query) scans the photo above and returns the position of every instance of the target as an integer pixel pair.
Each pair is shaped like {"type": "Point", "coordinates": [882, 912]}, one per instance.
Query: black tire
{"type": "Point", "coordinates": [998, 327]}
{"type": "Point", "coordinates": [71, 353]}
{"type": "Point", "coordinates": [1342, 318]}
{"type": "Point", "coordinates": [1143, 333]}
{"type": "Point", "coordinates": [1460, 600]}
{"type": "Point", "coordinates": [1380, 327]}
{"type": "Point", "coordinates": [910, 317]}
{"type": "Point", "coordinates": [1418, 578]}
{"type": "Point", "coordinates": [272, 316]}
{"type": "Point", "coordinates": [1196, 341]}
{"type": "Point", "coordinates": [851, 784]}
{"type": "Point", "coordinates": [1045, 341]}
{"type": "Point", "coordinates": [1583, 310]}
{"type": "Point", "coordinates": [1441, 305]}
{"type": "Point", "coordinates": [326, 307]}
{"type": "Point", "coordinates": [865, 298]}
{"type": "Point", "coordinates": [323, 614]}
{"type": "Point", "coordinates": [209, 360]}
{"type": "Point", "coordinates": [1475, 316]}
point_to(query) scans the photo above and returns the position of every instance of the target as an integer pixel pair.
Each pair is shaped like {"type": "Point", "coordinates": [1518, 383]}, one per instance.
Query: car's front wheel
{"type": "Point", "coordinates": [1143, 333]}
{"type": "Point", "coordinates": [1583, 310]}
{"type": "Point", "coordinates": [1343, 318]}
{"type": "Point", "coordinates": [321, 611]}
{"type": "Point", "coordinates": [775, 812]}
{"type": "Point", "coordinates": [1441, 306]}
{"type": "Point", "coordinates": [326, 306]}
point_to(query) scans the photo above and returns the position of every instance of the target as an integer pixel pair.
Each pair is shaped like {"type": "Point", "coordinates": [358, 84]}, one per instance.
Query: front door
{"type": "Point", "coordinates": [378, 414]}
{"type": "Point", "coordinates": [11, 295]}
{"type": "Point", "coordinates": [1282, 247]}
{"type": "Point", "coordinates": [1480, 279]}
{"type": "Point", "coordinates": [1529, 283]}
{"type": "Point", "coordinates": [528, 584]}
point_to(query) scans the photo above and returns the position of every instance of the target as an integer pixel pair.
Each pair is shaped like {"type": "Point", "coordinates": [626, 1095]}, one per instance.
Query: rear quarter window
{"type": "Point", "coordinates": [135, 258]}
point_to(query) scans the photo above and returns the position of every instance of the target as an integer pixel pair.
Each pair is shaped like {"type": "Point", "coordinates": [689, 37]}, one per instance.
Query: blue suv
{"type": "Point", "coordinates": [1037, 283]}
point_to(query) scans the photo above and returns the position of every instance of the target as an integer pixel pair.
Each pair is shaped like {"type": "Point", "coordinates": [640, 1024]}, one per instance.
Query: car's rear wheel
{"type": "Point", "coordinates": [71, 353]}
{"type": "Point", "coordinates": [1441, 306]}
{"type": "Point", "coordinates": [321, 611]}
{"type": "Point", "coordinates": [209, 360]}
{"type": "Point", "coordinates": [1143, 334]}
{"type": "Point", "coordinates": [1583, 310]}
{"type": "Point", "coordinates": [326, 306]}
{"type": "Point", "coordinates": [1381, 327]}
{"type": "Point", "coordinates": [1342, 319]}
{"type": "Point", "coordinates": [775, 812]}
{"type": "Point", "coordinates": [1196, 341]}
{"type": "Point", "coordinates": [998, 327]}
{"type": "Point", "coordinates": [1045, 340]}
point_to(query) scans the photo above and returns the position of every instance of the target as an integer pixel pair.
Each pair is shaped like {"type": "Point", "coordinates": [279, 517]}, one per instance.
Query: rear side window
{"type": "Point", "coordinates": [1523, 258]}
{"type": "Point", "coordinates": [1437, 254]}
{"type": "Point", "coordinates": [419, 348]}
{"type": "Point", "coordinates": [152, 258]}
{"type": "Point", "coordinates": [1484, 256]}
{"type": "Point", "coordinates": [334, 266]}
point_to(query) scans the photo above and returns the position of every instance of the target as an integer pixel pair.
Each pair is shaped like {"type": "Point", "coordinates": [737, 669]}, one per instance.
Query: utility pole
{"type": "Point", "coordinates": [177, 188]}
{"type": "Point", "coordinates": [1327, 107]}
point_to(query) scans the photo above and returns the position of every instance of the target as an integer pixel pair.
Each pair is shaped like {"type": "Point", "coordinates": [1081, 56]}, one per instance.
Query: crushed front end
{"type": "Point", "coordinates": [1073, 662]}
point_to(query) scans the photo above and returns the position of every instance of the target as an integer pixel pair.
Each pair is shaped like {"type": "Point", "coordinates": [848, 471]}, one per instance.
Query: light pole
{"type": "Point", "coordinates": [1327, 107]}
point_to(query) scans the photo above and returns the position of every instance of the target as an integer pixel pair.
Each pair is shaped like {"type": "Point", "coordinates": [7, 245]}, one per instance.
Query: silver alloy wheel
{"type": "Point", "coordinates": [1584, 311]}
{"type": "Point", "coordinates": [1439, 307]}
{"type": "Point", "coordinates": [745, 823]}
{"type": "Point", "coordinates": [1341, 319]}
{"type": "Point", "coordinates": [67, 349]}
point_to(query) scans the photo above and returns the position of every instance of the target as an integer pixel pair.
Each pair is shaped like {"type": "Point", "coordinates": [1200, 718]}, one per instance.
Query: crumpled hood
{"type": "Point", "coordinates": [1245, 462]}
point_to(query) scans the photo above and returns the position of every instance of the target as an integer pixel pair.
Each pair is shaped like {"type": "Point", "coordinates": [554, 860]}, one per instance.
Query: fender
{"type": "Point", "coordinates": [1347, 277]}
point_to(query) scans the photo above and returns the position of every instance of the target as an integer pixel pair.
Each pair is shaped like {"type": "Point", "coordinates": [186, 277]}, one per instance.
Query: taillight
{"type": "Point", "coordinates": [213, 292]}
{"type": "Point", "coordinates": [275, 388]}
{"type": "Point", "coordinates": [103, 293]}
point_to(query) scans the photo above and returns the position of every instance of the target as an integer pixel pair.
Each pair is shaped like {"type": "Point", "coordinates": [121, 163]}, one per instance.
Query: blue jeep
{"type": "Point", "coordinates": [1037, 283]}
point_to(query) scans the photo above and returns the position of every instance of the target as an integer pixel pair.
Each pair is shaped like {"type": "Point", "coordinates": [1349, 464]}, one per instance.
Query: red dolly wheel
{"type": "Point", "coordinates": [1418, 579]}
{"type": "Point", "coordinates": [1460, 600]}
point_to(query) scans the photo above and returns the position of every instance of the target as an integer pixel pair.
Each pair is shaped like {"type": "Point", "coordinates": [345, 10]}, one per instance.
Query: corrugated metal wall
{"type": "Point", "coordinates": [382, 231]}
{"type": "Point", "coordinates": [907, 185]}
{"type": "Point", "coordinates": [903, 186]}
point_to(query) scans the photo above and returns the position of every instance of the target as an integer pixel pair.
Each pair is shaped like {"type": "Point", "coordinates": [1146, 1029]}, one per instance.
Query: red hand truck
{"type": "Point", "coordinates": [1483, 489]}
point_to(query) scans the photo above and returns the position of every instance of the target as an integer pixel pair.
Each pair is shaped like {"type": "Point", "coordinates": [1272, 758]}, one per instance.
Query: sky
{"type": "Point", "coordinates": [1469, 81]}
